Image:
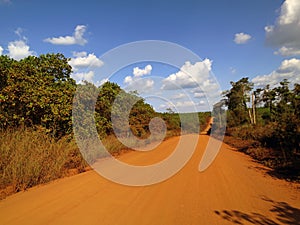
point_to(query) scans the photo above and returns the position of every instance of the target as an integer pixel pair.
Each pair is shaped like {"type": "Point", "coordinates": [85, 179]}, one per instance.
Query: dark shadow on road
{"type": "Point", "coordinates": [282, 211]}
{"type": "Point", "coordinates": [290, 174]}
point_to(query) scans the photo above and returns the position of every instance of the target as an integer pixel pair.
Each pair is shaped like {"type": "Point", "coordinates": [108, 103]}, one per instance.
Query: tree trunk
{"type": "Point", "coordinates": [250, 116]}
{"type": "Point", "coordinates": [253, 108]}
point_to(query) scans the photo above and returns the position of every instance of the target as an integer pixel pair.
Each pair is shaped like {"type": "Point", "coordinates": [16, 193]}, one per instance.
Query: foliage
{"type": "Point", "coordinates": [237, 99]}
{"type": "Point", "coordinates": [278, 121]}
{"type": "Point", "coordinates": [37, 91]}
{"type": "Point", "coordinates": [36, 102]}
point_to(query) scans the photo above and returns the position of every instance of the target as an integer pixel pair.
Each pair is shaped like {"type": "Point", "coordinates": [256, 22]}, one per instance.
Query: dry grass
{"type": "Point", "coordinates": [29, 158]}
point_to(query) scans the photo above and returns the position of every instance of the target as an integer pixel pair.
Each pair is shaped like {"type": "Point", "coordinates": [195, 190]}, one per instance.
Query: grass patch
{"type": "Point", "coordinates": [31, 157]}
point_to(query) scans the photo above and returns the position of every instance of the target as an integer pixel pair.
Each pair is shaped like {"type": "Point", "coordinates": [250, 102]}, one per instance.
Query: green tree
{"type": "Point", "coordinates": [237, 99]}
{"type": "Point", "coordinates": [37, 91]}
{"type": "Point", "coordinates": [286, 120]}
{"type": "Point", "coordinates": [126, 109]}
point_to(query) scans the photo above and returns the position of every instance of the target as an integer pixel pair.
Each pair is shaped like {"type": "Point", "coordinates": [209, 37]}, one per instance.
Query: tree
{"type": "Point", "coordinates": [37, 91]}
{"type": "Point", "coordinates": [125, 108]}
{"type": "Point", "coordinates": [283, 105]}
{"type": "Point", "coordinates": [237, 99]}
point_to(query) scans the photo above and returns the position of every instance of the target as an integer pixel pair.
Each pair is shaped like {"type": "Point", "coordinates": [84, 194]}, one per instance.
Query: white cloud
{"type": "Point", "coordinates": [285, 33]}
{"type": "Point", "coordinates": [241, 38]}
{"type": "Point", "coordinates": [289, 69]}
{"type": "Point", "coordinates": [84, 60]}
{"type": "Point", "coordinates": [136, 83]}
{"type": "Point", "coordinates": [179, 96]}
{"type": "Point", "coordinates": [77, 38]}
{"type": "Point", "coordinates": [1, 50]}
{"type": "Point", "coordinates": [99, 83]}
{"type": "Point", "coordinates": [197, 77]}
{"type": "Point", "coordinates": [142, 85]}
{"type": "Point", "coordinates": [183, 106]}
{"type": "Point", "coordinates": [88, 76]}
{"type": "Point", "coordinates": [199, 95]}
{"type": "Point", "coordinates": [137, 72]}
{"type": "Point", "coordinates": [81, 62]}
{"type": "Point", "coordinates": [289, 12]}
{"type": "Point", "coordinates": [128, 80]}
{"type": "Point", "coordinates": [189, 76]}
{"type": "Point", "coordinates": [285, 51]}
{"type": "Point", "coordinates": [19, 50]}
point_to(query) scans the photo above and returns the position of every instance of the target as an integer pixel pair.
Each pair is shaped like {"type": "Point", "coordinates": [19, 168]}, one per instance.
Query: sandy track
{"type": "Point", "coordinates": [233, 190]}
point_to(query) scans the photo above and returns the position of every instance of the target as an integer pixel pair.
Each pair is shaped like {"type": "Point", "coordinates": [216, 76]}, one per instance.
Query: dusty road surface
{"type": "Point", "coordinates": [233, 190]}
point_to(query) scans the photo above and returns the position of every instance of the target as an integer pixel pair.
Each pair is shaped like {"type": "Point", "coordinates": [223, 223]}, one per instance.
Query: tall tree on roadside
{"type": "Point", "coordinates": [237, 99]}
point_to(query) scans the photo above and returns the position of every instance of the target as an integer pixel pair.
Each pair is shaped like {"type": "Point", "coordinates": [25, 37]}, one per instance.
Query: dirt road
{"type": "Point", "coordinates": [208, 126]}
{"type": "Point", "coordinates": [233, 190]}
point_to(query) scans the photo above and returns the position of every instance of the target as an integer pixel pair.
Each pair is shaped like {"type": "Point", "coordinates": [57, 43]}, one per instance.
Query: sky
{"type": "Point", "coordinates": [231, 38]}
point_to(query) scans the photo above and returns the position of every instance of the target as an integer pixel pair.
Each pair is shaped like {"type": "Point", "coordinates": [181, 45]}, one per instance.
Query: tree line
{"type": "Point", "coordinates": [268, 115]}
{"type": "Point", "coordinates": [38, 92]}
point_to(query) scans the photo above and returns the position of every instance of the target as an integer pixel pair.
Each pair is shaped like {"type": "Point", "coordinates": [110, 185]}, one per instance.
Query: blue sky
{"type": "Point", "coordinates": [238, 38]}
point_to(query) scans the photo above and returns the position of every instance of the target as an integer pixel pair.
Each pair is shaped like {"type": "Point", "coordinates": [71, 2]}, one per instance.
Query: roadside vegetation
{"type": "Point", "coordinates": [265, 123]}
{"type": "Point", "coordinates": [37, 141]}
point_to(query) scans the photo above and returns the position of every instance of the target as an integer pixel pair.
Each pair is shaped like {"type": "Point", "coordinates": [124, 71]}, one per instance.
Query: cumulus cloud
{"type": "Point", "coordinates": [19, 50]}
{"type": "Point", "coordinates": [103, 81]}
{"type": "Point", "coordinates": [1, 50]}
{"type": "Point", "coordinates": [135, 82]}
{"type": "Point", "coordinates": [76, 38]}
{"type": "Point", "coordinates": [285, 51]}
{"type": "Point", "coordinates": [137, 72]}
{"type": "Point", "coordinates": [198, 80]}
{"type": "Point", "coordinates": [82, 60]}
{"type": "Point", "coordinates": [189, 76]}
{"type": "Point", "coordinates": [141, 85]}
{"type": "Point", "coordinates": [87, 76]}
{"type": "Point", "coordinates": [241, 38]}
{"type": "Point", "coordinates": [285, 33]}
{"type": "Point", "coordinates": [289, 69]}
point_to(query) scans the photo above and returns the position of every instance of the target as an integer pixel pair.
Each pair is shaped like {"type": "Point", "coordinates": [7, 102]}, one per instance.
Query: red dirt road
{"type": "Point", "coordinates": [233, 190]}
